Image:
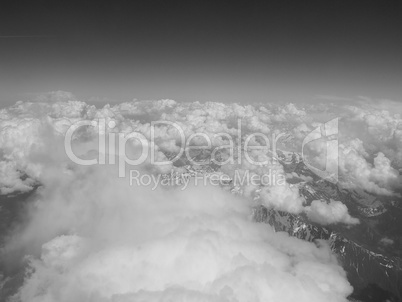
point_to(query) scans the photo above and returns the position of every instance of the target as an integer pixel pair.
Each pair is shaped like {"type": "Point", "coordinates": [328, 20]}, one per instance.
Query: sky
{"type": "Point", "coordinates": [249, 51]}
{"type": "Point", "coordinates": [228, 52]}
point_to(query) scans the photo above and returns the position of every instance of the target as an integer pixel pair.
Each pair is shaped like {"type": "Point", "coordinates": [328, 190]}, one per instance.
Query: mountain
{"type": "Point", "coordinates": [364, 267]}
{"type": "Point", "coordinates": [373, 268]}
{"type": "Point", "coordinates": [370, 252]}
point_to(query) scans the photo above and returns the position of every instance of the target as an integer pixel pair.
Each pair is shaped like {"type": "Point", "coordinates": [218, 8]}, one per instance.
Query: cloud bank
{"type": "Point", "coordinates": [106, 241]}
{"type": "Point", "coordinates": [370, 137]}
{"type": "Point", "coordinates": [92, 237]}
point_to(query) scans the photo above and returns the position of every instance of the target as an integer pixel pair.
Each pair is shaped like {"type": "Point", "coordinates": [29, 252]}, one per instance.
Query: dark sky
{"type": "Point", "coordinates": [199, 50]}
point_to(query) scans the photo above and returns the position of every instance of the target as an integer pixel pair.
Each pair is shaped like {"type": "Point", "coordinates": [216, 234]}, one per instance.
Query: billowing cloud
{"type": "Point", "coordinates": [330, 212]}
{"type": "Point", "coordinates": [123, 243]}
{"type": "Point", "coordinates": [375, 129]}
{"type": "Point", "coordinates": [93, 237]}
{"type": "Point", "coordinates": [12, 180]}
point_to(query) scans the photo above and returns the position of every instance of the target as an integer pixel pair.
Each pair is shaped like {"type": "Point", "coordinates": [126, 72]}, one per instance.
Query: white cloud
{"type": "Point", "coordinates": [283, 197]}
{"type": "Point", "coordinates": [92, 237]}
{"type": "Point", "coordinates": [329, 213]}
{"type": "Point", "coordinates": [379, 177]}
{"type": "Point", "coordinates": [125, 243]}
{"type": "Point", "coordinates": [386, 241]}
{"type": "Point", "coordinates": [12, 180]}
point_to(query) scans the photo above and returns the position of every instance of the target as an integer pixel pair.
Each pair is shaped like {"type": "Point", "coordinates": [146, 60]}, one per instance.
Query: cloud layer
{"type": "Point", "coordinates": [370, 137]}
{"type": "Point", "coordinates": [93, 237]}
{"type": "Point", "coordinates": [106, 241]}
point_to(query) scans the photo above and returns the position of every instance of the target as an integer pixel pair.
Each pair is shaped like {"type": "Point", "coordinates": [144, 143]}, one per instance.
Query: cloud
{"type": "Point", "coordinates": [90, 236]}
{"type": "Point", "coordinates": [12, 180]}
{"type": "Point", "coordinates": [379, 177]}
{"type": "Point", "coordinates": [377, 129]}
{"type": "Point", "coordinates": [121, 243]}
{"type": "Point", "coordinates": [386, 241]}
{"type": "Point", "coordinates": [330, 212]}
{"type": "Point", "coordinates": [283, 197]}
{"type": "Point", "coordinates": [367, 130]}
